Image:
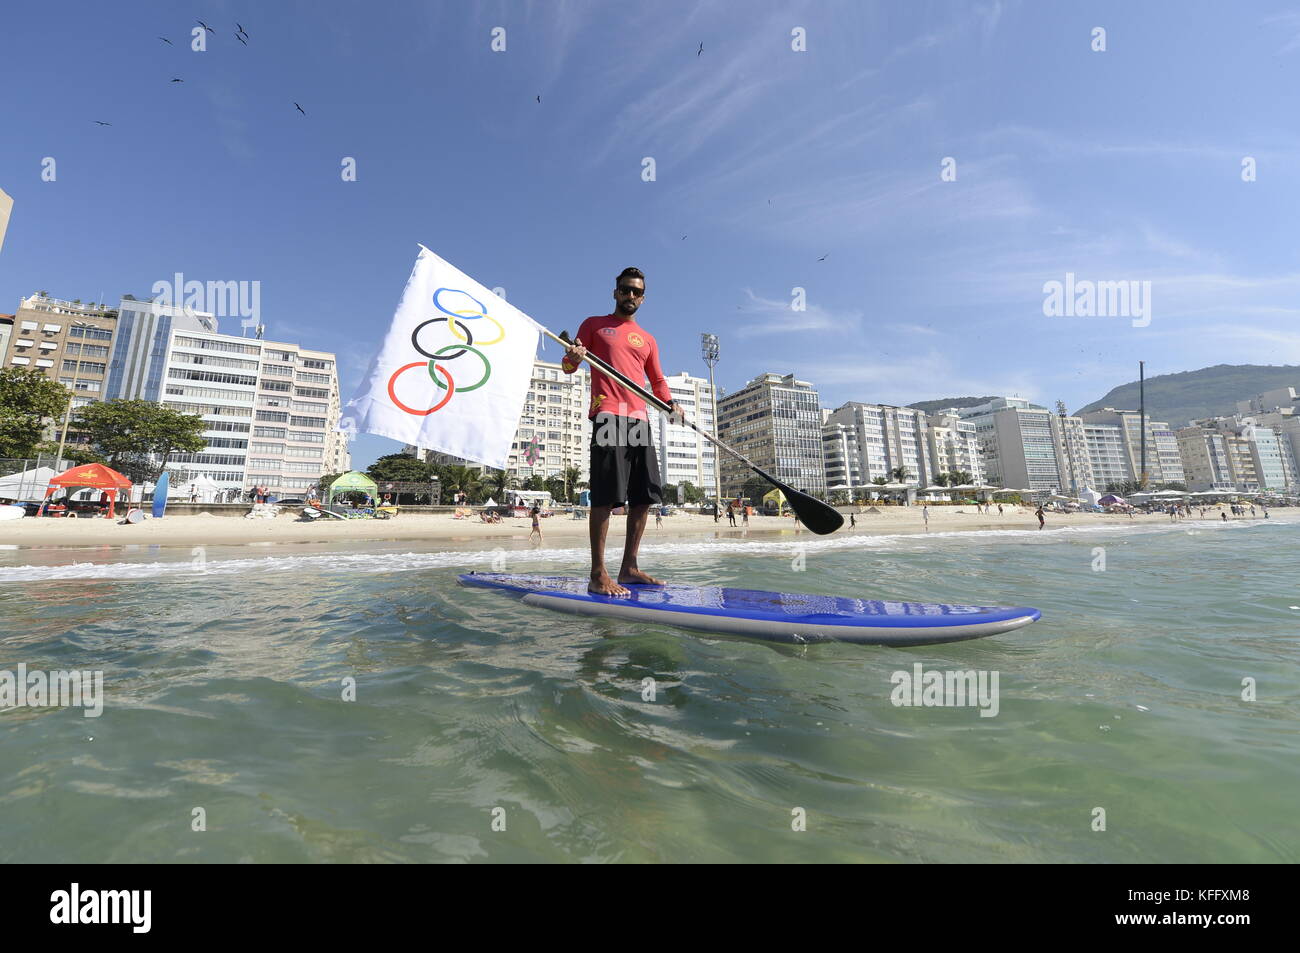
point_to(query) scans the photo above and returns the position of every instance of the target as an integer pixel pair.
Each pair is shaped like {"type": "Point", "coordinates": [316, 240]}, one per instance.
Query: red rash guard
{"type": "Point", "coordinates": [630, 350]}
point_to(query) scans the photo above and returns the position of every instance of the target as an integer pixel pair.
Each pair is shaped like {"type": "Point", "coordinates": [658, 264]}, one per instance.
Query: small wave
{"type": "Point", "coordinates": [353, 563]}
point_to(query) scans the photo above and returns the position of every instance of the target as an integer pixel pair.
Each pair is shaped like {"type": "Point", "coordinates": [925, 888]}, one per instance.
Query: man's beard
{"type": "Point", "coordinates": [627, 307]}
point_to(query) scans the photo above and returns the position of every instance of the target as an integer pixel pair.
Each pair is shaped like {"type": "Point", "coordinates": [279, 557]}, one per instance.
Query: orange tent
{"type": "Point", "coordinates": [94, 475]}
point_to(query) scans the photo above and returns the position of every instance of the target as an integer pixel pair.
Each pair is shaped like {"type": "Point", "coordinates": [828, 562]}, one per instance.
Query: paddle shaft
{"type": "Point", "coordinates": [654, 401]}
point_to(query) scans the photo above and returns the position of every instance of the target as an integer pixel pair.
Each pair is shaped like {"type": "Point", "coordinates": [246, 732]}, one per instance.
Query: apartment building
{"type": "Point", "coordinates": [1017, 443]}
{"type": "Point", "coordinates": [683, 455]}
{"type": "Point", "coordinates": [1163, 463]}
{"type": "Point", "coordinates": [775, 421]}
{"type": "Point", "coordinates": [955, 446]}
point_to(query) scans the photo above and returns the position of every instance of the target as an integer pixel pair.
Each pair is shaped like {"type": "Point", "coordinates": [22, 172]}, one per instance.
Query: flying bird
{"type": "Point", "coordinates": [301, 110]}
{"type": "Point", "coordinates": [241, 29]}
{"type": "Point", "coordinates": [683, 238]}
{"type": "Point", "coordinates": [539, 99]}
{"type": "Point", "coordinates": [167, 41]}
{"type": "Point", "coordinates": [700, 50]}
{"type": "Point", "coordinates": [178, 80]}
{"type": "Point", "coordinates": [823, 257]}
{"type": "Point", "coordinates": [98, 123]}
{"type": "Point", "coordinates": [241, 39]}
{"type": "Point", "coordinates": [205, 26]}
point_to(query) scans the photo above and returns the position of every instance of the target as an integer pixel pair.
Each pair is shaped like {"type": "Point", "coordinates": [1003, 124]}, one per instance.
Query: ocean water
{"type": "Point", "coordinates": [223, 686]}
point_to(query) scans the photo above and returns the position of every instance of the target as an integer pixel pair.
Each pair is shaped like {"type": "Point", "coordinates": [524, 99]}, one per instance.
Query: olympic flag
{"type": "Point", "coordinates": [453, 371]}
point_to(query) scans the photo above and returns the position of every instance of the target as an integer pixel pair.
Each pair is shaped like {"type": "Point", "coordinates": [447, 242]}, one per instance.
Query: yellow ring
{"type": "Point", "coordinates": [500, 336]}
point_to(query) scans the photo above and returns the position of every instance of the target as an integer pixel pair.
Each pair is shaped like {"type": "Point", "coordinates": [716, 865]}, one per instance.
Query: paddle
{"type": "Point", "coordinates": [819, 517]}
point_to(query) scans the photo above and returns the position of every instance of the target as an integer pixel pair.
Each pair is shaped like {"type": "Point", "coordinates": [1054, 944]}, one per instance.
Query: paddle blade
{"type": "Point", "coordinates": [822, 518]}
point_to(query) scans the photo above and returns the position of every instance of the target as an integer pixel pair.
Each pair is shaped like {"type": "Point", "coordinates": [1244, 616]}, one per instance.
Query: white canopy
{"type": "Point", "coordinates": [27, 484]}
{"type": "Point", "coordinates": [490, 502]}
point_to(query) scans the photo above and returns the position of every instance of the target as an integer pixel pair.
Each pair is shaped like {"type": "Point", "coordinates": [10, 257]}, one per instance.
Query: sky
{"type": "Point", "coordinates": [781, 176]}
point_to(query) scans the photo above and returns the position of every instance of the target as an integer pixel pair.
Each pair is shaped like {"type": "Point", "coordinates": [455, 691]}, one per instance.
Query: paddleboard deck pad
{"type": "Point", "coordinates": [792, 617]}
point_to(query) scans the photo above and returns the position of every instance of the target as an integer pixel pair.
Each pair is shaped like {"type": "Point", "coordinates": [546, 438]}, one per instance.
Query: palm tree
{"type": "Point", "coordinates": [572, 480]}
{"type": "Point", "coordinates": [900, 474]}
{"type": "Point", "coordinates": [500, 482]}
{"type": "Point", "coordinates": [460, 479]}
{"type": "Point", "coordinates": [941, 479]}
{"type": "Point", "coordinates": [880, 481]}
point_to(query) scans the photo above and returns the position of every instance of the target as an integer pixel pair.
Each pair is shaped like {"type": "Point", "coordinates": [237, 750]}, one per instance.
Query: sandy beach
{"type": "Point", "coordinates": [198, 530]}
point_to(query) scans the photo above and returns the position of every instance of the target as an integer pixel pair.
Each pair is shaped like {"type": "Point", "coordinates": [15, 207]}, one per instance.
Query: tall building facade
{"type": "Point", "coordinates": [6, 207]}
{"type": "Point", "coordinates": [1163, 463]}
{"type": "Point", "coordinates": [955, 446]}
{"type": "Point", "coordinates": [888, 438]}
{"type": "Point", "coordinates": [685, 456]}
{"type": "Point", "coordinates": [775, 421]}
{"type": "Point", "coordinates": [1016, 441]}
{"type": "Point", "coordinates": [270, 410]}
{"type": "Point", "coordinates": [1108, 459]}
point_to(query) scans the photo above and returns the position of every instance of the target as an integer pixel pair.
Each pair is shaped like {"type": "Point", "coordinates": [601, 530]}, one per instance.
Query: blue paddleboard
{"type": "Point", "coordinates": [793, 617]}
{"type": "Point", "coordinates": [160, 495]}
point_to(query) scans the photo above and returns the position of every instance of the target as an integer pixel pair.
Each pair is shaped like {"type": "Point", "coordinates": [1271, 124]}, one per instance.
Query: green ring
{"type": "Point", "coordinates": [487, 366]}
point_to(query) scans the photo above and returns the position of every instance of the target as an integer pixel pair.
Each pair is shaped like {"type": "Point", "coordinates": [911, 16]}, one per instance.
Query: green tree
{"type": "Point", "coordinates": [461, 479]}
{"type": "Point", "coordinates": [880, 481]}
{"type": "Point", "coordinates": [573, 478]}
{"type": "Point", "coordinates": [755, 488]}
{"type": "Point", "coordinates": [27, 399]}
{"type": "Point", "coordinates": [960, 477]}
{"type": "Point", "coordinates": [399, 467]}
{"type": "Point", "coordinates": [137, 436]}
{"type": "Point", "coordinates": [500, 482]}
{"type": "Point", "coordinates": [534, 483]}
{"type": "Point", "coordinates": [900, 474]}
{"type": "Point", "coordinates": [555, 485]}
{"type": "Point", "coordinates": [941, 479]}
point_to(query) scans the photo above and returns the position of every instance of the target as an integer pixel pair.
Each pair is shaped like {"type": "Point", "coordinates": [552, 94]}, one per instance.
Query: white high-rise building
{"type": "Point", "coordinates": [554, 425]}
{"type": "Point", "coordinates": [955, 446]}
{"type": "Point", "coordinates": [1163, 463]}
{"type": "Point", "coordinates": [887, 438]}
{"type": "Point", "coordinates": [1017, 443]}
{"type": "Point", "coordinates": [776, 422]}
{"type": "Point", "coordinates": [685, 456]}
{"type": "Point", "coordinates": [271, 410]}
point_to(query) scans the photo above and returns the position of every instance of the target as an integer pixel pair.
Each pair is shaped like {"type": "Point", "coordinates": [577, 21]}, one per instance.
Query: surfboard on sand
{"type": "Point", "coordinates": [791, 617]}
{"type": "Point", "coordinates": [160, 495]}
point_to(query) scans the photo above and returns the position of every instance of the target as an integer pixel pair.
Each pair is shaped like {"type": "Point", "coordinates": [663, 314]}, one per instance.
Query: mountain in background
{"type": "Point", "coordinates": [1179, 399]}
{"type": "Point", "coordinates": [930, 406]}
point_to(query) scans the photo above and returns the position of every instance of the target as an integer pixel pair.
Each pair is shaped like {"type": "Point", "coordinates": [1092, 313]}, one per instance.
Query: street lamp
{"type": "Point", "coordinates": [709, 351]}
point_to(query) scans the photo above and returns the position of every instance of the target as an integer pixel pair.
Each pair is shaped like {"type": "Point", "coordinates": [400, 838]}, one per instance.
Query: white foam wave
{"type": "Point", "coordinates": [356, 563]}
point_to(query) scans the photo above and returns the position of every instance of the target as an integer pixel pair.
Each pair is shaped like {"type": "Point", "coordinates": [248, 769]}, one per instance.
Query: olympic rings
{"type": "Point", "coordinates": [450, 385]}
{"type": "Point", "coordinates": [456, 323]}
{"type": "Point", "coordinates": [415, 336]}
{"type": "Point", "coordinates": [487, 367]}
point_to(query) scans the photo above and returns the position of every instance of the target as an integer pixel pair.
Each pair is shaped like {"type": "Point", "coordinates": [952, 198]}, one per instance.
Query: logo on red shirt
{"type": "Point", "coordinates": [635, 340]}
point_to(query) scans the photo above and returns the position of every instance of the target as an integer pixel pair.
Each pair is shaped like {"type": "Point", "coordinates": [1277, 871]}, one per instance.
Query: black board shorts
{"type": "Point", "coordinates": [624, 467]}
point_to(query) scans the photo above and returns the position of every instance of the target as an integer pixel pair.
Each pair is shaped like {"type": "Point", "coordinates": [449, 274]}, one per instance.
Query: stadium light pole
{"type": "Point", "coordinates": [709, 351]}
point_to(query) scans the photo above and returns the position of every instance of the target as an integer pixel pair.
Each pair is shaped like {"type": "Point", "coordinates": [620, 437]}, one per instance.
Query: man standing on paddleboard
{"type": "Point", "coordinates": [624, 468]}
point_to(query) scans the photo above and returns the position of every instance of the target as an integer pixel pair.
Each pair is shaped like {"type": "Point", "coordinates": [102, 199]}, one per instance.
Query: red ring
{"type": "Point", "coordinates": [451, 388]}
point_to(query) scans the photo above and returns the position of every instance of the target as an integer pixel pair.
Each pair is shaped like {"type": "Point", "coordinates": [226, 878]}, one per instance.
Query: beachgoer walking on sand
{"type": "Point", "coordinates": [1042, 520]}
{"type": "Point", "coordinates": [659, 518]}
{"type": "Point", "coordinates": [731, 514]}
{"type": "Point", "coordinates": [744, 516]}
{"type": "Point", "coordinates": [852, 521]}
{"type": "Point", "coordinates": [925, 515]}
{"type": "Point", "coordinates": [537, 524]}
{"type": "Point", "coordinates": [999, 509]}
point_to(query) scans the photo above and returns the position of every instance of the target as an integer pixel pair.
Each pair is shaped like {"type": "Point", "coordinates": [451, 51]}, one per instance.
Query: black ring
{"type": "Point", "coordinates": [415, 339]}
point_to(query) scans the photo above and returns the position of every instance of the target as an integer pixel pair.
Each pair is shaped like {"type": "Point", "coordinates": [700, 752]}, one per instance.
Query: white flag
{"type": "Point", "coordinates": [453, 371]}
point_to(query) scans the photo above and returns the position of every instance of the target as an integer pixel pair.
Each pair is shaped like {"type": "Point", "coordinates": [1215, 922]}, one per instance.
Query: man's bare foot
{"type": "Point", "coordinates": [602, 585]}
{"type": "Point", "coordinates": [635, 577]}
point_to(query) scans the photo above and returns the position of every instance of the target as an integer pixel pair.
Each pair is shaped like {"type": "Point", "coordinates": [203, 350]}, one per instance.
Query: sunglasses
{"type": "Point", "coordinates": [629, 290]}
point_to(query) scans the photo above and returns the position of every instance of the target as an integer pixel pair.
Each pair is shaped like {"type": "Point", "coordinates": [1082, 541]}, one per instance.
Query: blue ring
{"type": "Point", "coordinates": [464, 317]}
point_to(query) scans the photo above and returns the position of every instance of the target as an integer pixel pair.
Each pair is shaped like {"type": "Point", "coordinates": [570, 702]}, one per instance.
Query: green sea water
{"type": "Point", "coordinates": [224, 683]}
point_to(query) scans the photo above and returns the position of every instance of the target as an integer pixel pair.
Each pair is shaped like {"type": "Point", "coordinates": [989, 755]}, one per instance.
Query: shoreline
{"type": "Point", "coordinates": [186, 531]}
